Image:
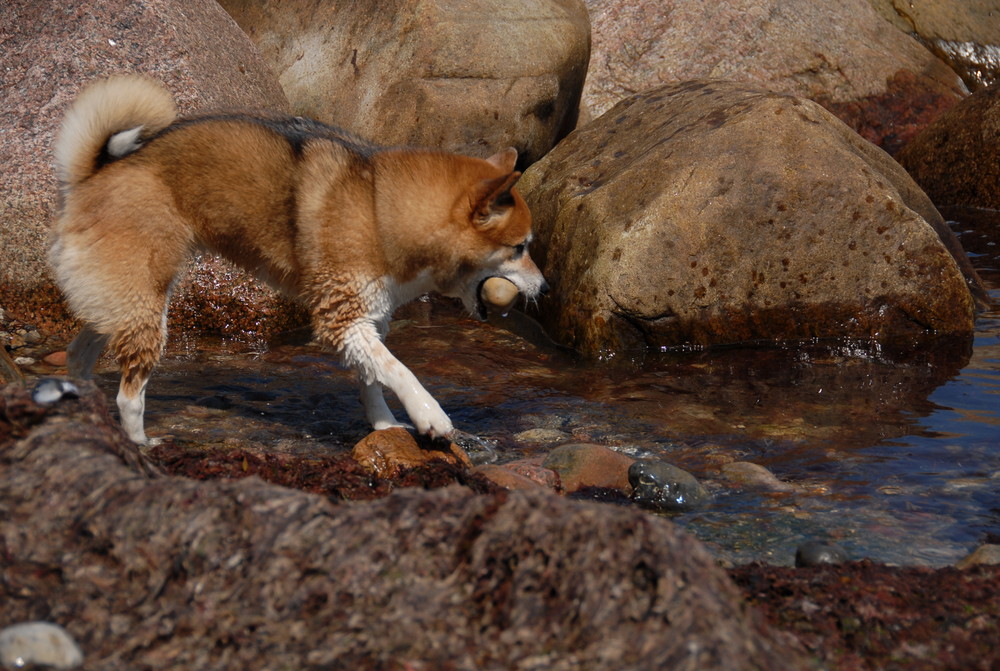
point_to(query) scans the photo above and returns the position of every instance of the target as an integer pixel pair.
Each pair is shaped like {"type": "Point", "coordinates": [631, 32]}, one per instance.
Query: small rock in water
{"type": "Point", "coordinates": [51, 390]}
{"type": "Point", "coordinates": [480, 451]}
{"type": "Point", "coordinates": [816, 553]}
{"type": "Point", "coordinates": [499, 292]}
{"type": "Point", "coordinates": [542, 435]}
{"type": "Point", "coordinates": [388, 452]}
{"type": "Point", "coordinates": [753, 475]}
{"type": "Point", "coordinates": [665, 487]}
{"type": "Point", "coordinates": [585, 465]}
{"type": "Point", "coordinates": [38, 643]}
{"type": "Point", "coordinates": [987, 555]}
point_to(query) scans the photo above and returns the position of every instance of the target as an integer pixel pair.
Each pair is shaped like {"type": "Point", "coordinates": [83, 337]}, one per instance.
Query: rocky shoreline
{"type": "Point", "coordinates": [149, 570]}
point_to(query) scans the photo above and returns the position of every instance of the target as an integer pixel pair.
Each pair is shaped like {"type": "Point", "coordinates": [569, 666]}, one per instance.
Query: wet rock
{"type": "Point", "coordinates": [581, 465]}
{"type": "Point", "coordinates": [965, 35]}
{"type": "Point", "coordinates": [38, 643]}
{"type": "Point", "coordinates": [507, 478]}
{"type": "Point", "coordinates": [956, 160]}
{"type": "Point", "coordinates": [665, 487]}
{"type": "Point", "coordinates": [542, 436]}
{"type": "Point", "coordinates": [478, 450]}
{"type": "Point", "coordinates": [987, 554]}
{"type": "Point", "coordinates": [817, 553]}
{"type": "Point", "coordinates": [202, 57]}
{"type": "Point", "coordinates": [499, 293]}
{"type": "Point", "coordinates": [879, 80]}
{"type": "Point", "coordinates": [427, 72]}
{"type": "Point", "coordinates": [710, 213]}
{"type": "Point", "coordinates": [170, 572]}
{"type": "Point", "coordinates": [533, 469]}
{"type": "Point", "coordinates": [386, 453]}
{"type": "Point", "coordinates": [753, 475]}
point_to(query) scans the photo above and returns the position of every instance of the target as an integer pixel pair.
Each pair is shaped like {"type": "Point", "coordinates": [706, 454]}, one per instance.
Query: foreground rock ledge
{"type": "Point", "coordinates": [149, 571]}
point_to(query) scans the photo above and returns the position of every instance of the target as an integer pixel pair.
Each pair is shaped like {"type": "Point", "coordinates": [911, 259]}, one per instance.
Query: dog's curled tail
{"type": "Point", "coordinates": [110, 119]}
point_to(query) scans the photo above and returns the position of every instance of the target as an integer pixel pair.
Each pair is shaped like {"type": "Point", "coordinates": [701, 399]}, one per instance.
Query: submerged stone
{"type": "Point", "coordinates": [665, 487]}
{"type": "Point", "coordinates": [816, 553]}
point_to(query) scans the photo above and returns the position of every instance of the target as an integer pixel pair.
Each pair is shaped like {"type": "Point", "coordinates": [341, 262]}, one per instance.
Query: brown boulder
{"type": "Point", "coordinates": [711, 213]}
{"type": "Point", "coordinates": [956, 160]}
{"type": "Point", "coordinates": [880, 81]}
{"type": "Point", "coordinates": [51, 50]}
{"type": "Point", "coordinates": [171, 573]}
{"type": "Point", "coordinates": [472, 77]}
{"type": "Point", "coordinates": [965, 35]}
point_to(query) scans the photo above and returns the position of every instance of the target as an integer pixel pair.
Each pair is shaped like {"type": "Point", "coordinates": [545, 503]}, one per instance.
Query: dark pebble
{"type": "Point", "coordinates": [816, 553]}
{"type": "Point", "coordinates": [664, 487]}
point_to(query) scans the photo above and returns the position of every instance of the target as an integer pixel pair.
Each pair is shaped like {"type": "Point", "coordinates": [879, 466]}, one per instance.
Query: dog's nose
{"type": "Point", "coordinates": [544, 289]}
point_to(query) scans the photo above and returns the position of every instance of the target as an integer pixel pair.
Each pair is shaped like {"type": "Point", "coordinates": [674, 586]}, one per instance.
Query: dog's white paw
{"type": "Point", "coordinates": [432, 422]}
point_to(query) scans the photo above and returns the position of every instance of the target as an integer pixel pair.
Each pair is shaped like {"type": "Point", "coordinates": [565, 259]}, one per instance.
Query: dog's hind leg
{"type": "Point", "coordinates": [83, 352]}
{"type": "Point", "coordinates": [137, 350]}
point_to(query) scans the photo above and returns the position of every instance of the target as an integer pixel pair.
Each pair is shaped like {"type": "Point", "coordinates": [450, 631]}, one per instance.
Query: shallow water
{"type": "Point", "coordinates": [893, 454]}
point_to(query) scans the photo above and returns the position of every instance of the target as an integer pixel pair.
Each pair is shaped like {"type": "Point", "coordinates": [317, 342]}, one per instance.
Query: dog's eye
{"type": "Point", "coordinates": [520, 249]}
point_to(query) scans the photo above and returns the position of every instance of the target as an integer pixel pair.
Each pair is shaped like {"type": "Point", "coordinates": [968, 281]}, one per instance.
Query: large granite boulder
{"type": "Point", "coordinates": [965, 35]}
{"type": "Point", "coordinates": [469, 77]}
{"type": "Point", "coordinates": [711, 212]}
{"type": "Point", "coordinates": [170, 573]}
{"type": "Point", "coordinates": [50, 51]}
{"type": "Point", "coordinates": [844, 55]}
{"type": "Point", "coordinates": [957, 158]}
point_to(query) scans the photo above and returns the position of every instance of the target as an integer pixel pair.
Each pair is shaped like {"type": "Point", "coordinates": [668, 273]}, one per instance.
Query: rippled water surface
{"type": "Point", "coordinates": [893, 454]}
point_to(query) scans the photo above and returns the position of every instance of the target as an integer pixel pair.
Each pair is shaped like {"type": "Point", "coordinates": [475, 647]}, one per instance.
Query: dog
{"type": "Point", "coordinates": [350, 229]}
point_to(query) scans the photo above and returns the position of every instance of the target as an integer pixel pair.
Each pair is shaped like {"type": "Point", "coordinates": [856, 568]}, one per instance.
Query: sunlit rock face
{"type": "Point", "coordinates": [710, 213]}
{"type": "Point", "coordinates": [471, 77]}
{"type": "Point", "coordinates": [878, 79]}
{"type": "Point", "coordinates": [197, 51]}
{"type": "Point", "coordinates": [965, 35]}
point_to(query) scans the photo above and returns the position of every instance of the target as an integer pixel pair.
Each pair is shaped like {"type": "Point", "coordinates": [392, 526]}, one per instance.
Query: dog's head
{"type": "Point", "coordinates": [456, 221]}
{"type": "Point", "coordinates": [497, 226]}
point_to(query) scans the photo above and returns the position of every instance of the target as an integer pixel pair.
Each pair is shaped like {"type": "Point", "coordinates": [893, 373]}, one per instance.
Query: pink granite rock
{"type": "Point", "coordinates": [51, 50]}
{"type": "Point", "coordinates": [844, 55]}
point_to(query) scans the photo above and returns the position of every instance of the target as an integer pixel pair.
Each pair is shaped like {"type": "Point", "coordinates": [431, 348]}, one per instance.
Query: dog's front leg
{"type": "Point", "coordinates": [376, 410]}
{"type": "Point", "coordinates": [364, 351]}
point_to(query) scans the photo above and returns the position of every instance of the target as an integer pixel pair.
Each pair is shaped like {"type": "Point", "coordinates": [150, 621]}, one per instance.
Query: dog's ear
{"type": "Point", "coordinates": [505, 159]}
{"type": "Point", "coordinates": [493, 197]}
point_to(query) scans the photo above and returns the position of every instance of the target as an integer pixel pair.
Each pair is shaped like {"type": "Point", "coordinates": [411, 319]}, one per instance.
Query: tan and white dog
{"type": "Point", "coordinates": [350, 229]}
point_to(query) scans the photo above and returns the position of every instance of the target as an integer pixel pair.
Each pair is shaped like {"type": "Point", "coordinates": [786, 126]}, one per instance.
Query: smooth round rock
{"type": "Point", "coordinates": [499, 292]}
{"type": "Point", "coordinates": [41, 643]}
{"type": "Point", "coordinates": [817, 553]}
{"type": "Point", "coordinates": [665, 487]}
